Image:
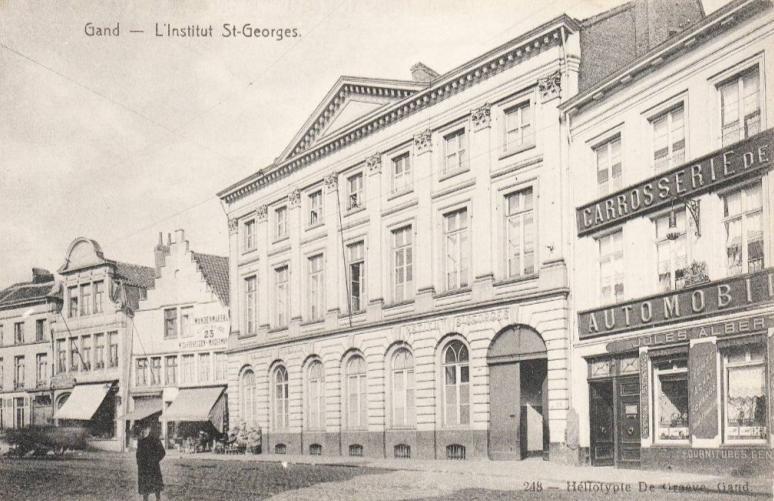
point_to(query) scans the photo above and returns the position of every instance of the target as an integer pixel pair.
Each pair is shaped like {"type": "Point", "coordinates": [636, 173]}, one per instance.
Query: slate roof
{"type": "Point", "coordinates": [215, 272]}
{"type": "Point", "coordinates": [26, 292]}
{"type": "Point", "coordinates": [136, 275]}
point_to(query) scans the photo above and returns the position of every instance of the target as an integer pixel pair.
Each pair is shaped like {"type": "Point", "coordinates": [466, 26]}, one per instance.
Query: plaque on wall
{"type": "Point", "coordinates": [702, 373]}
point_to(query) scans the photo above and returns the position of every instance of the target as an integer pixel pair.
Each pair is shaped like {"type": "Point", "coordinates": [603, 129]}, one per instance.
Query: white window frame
{"type": "Point", "coordinates": [406, 286]}
{"type": "Point", "coordinates": [459, 153]}
{"type": "Point", "coordinates": [456, 248]}
{"type": "Point", "coordinates": [608, 257]}
{"type": "Point", "coordinates": [250, 303]}
{"type": "Point", "coordinates": [281, 400]}
{"type": "Point", "coordinates": [744, 216]}
{"type": "Point", "coordinates": [667, 113]}
{"type": "Point", "coordinates": [736, 75]}
{"type": "Point", "coordinates": [459, 386]}
{"type": "Point", "coordinates": [612, 184]}
{"type": "Point", "coordinates": [725, 376]}
{"type": "Point", "coordinates": [407, 395]}
{"type": "Point", "coordinates": [247, 388]}
{"type": "Point", "coordinates": [281, 222]}
{"type": "Point", "coordinates": [356, 191]}
{"type": "Point", "coordinates": [401, 172]}
{"type": "Point", "coordinates": [315, 286]}
{"type": "Point", "coordinates": [359, 262]}
{"type": "Point", "coordinates": [663, 242]}
{"type": "Point", "coordinates": [516, 108]}
{"type": "Point", "coordinates": [360, 381]}
{"type": "Point", "coordinates": [315, 402]}
{"type": "Point", "coordinates": [521, 214]}
{"type": "Point", "coordinates": [315, 215]}
{"type": "Point", "coordinates": [248, 241]}
{"type": "Point", "coordinates": [281, 295]}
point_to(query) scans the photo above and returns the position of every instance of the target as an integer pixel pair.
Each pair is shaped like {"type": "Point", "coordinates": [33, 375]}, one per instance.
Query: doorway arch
{"type": "Point", "coordinates": [518, 394]}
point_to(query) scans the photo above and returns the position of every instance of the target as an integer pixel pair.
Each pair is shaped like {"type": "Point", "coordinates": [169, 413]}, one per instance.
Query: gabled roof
{"type": "Point", "coordinates": [349, 99]}
{"type": "Point", "coordinates": [135, 274]}
{"type": "Point", "coordinates": [27, 293]}
{"type": "Point", "coordinates": [214, 269]}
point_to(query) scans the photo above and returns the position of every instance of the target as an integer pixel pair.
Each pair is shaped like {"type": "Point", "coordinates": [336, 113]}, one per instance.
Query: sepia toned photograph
{"type": "Point", "coordinates": [365, 250]}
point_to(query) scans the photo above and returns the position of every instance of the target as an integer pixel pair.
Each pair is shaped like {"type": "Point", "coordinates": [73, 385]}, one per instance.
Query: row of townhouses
{"type": "Point", "coordinates": [559, 248]}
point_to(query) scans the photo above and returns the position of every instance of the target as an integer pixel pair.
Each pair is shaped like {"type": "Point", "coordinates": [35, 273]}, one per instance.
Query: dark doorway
{"type": "Point", "coordinates": [602, 422]}
{"type": "Point", "coordinates": [518, 396]}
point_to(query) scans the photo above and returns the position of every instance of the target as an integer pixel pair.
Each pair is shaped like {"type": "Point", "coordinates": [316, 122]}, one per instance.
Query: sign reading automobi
{"type": "Point", "coordinates": [703, 175]}
{"type": "Point", "coordinates": [712, 298]}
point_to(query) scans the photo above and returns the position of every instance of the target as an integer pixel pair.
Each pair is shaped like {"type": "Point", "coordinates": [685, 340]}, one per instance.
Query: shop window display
{"type": "Point", "coordinates": [745, 394]}
{"type": "Point", "coordinates": [671, 404]}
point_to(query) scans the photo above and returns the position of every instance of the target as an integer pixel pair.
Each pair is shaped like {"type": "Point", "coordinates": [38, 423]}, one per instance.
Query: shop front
{"type": "Point", "coordinates": [92, 407]}
{"type": "Point", "coordinates": [196, 418]}
{"type": "Point", "coordinates": [694, 391]}
{"type": "Point", "coordinates": [146, 412]}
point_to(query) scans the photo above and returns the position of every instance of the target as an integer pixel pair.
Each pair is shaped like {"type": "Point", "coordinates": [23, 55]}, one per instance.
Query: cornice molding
{"type": "Point", "coordinates": [453, 82]}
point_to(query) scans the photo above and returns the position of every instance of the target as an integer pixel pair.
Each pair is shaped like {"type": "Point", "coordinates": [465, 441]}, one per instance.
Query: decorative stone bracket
{"type": "Point", "coordinates": [481, 117]}
{"type": "Point", "coordinates": [262, 212]}
{"type": "Point", "coordinates": [423, 142]}
{"type": "Point", "coordinates": [374, 163]}
{"type": "Point", "coordinates": [331, 182]}
{"type": "Point", "coordinates": [294, 198]}
{"type": "Point", "coordinates": [550, 87]}
{"type": "Point", "coordinates": [233, 225]}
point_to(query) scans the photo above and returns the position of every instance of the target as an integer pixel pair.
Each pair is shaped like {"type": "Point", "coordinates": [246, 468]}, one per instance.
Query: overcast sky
{"type": "Point", "coordinates": [119, 138]}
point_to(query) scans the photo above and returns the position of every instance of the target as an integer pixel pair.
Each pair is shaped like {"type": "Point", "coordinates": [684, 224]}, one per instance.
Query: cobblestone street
{"type": "Point", "coordinates": [105, 476]}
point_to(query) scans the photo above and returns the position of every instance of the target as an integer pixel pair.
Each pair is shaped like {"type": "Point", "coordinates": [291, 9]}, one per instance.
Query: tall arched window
{"type": "Point", "coordinates": [456, 384]}
{"type": "Point", "coordinates": [281, 408]}
{"type": "Point", "coordinates": [357, 395]}
{"type": "Point", "coordinates": [315, 405]}
{"type": "Point", "coordinates": [247, 394]}
{"type": "Point", "coordinates": [403, 389]}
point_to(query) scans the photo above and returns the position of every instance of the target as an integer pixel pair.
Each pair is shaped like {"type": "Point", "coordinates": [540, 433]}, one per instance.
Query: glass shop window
{"type": "Point", "coordinates": [671, 406]}
{"type": "Point", "coordinates": [744, 392]}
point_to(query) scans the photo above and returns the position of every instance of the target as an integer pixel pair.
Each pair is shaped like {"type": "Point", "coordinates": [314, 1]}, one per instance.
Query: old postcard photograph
{"type": "Point", "coordinates": [369, 250]}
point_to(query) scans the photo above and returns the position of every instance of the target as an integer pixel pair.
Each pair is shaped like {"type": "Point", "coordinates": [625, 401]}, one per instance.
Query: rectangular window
{"type": "Point", "coordinates": [99, 294]}
{"type": "Point", "coordinates": [61, 356]}
{"type": "Point", "coordinates": [357, 284]}
{"type": "Point", "coordinates": [21, 411]}
{"type": "Point", "coordinates": [41, 368]}
{"type": "Point", "coordinates": [401, 173]}
{"type": "Point", "coordinates": [742, 218]}
{"type": "Point", "coordinates": [72, 294]}
{"type": "Point", "coordinates": [520, 233]}
{"type": "Point", "coordinates": [86, 299]}
{"type": "Point", "coordinates": [113, 349]}
{"type": "Point", "coordinates": [86, 352]}
{"type": "Point", "coordinates": [744, 404]}
{"type": "Point", "coordinates": [316, 291]}
{"type": "Point", "coordinates": [454, 151]}
{"type": "Point", "coordinates": [40, 330]}
{"type": "Point", "coordinates": [2, 383]}
{"type": "Point", "coordinates": [609, 170]}
{"type": "Point", "coordinates": [315, 208]}
{"type": "Point", "coordinates": [2, 335]}
{"type": "Point", "coordinates": [281, 222]}
{"type": "Point", "coordinates": [186, 321]}
{"type": "Point", "coordinates": [155, 371]}
{"type": "Point", "coordinates": [187, 374]}
{"type": "Point", "coordinates": [18, 333]}
{"type": "Point", "coordinates": [672, 250]}
{"type": "Point", "coordinates": [611, 273]}
{"type": "Point", "coordinates": [18, 373]}
{"type": "Point", "coordinates": [251, 287]}
{"type": "Point", "coordinates": [170, 370]}
{"type": "Point", "coordinates": [457, 248]}
{"type": "Point", "coordinates": [281, 296]}
{"type": "Point", "coordinates": [99, 351]}
{"type": "Point", "coordinates": [671, 404]}
{"type": "Point", "coordinates": [740, 106]}
{"type": "Point", "coordinates": [170, 323]}
{"type": "Point", "coordinates": [403, 264]}
{"type": "Point", "coordinates": [669, 139]}
{"type": "Point", "coordinates": [220, 367]}
{"type": "Point", "coordinates": [519, 131]}
{"type": "Point", "coordinates": [74, 354]}
{"type": "Point", "coordinates": [355, 191]}
{"type": "Point", "coordinates": [204, 367]}
{"type": "Point", "coordinates": [249, 237]}
{"type": "Point", "coordinates": [141, 372]}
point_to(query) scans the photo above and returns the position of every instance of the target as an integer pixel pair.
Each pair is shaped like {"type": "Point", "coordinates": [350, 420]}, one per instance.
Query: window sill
{"type": "Point", "coordinates": [399, 193]}
{"type": "Point", "coordinates": [516, 280]}
{"type": "Point", "coordinates": [249, 251]}
{"type": "Point", "coordinates": [516, 151]}
{"type": "Point", "coordinates": [453, 292]}
{"type": "Point", "coordinates": [354, 210]}
{"type": "Point", "coordinates": [451, 174]}
{"type": "Point", "coordinates": [281, 239]}
{"type": "Point", "coordinates": [275, 330]}
{"type": "Point", "coordinates": [398, 304]}
{"type": "Point", "coordinates": [313, 322]}
{"type": "Point", "coordinates": [315, 226]}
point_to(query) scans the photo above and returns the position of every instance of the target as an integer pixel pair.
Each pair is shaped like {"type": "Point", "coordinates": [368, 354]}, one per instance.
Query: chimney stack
{"type": "Point", "coordinates": [41, 276]}
{"type": "Point", "coordinates": [160, 252]}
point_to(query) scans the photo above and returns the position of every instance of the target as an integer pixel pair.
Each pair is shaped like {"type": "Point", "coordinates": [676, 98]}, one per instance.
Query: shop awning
{"type": "Point", "coordinates": [144, 407]}
{"type": "Point", "coordinates": [198, 404]}
{"type": "Point", "coordinates": [84, 401]}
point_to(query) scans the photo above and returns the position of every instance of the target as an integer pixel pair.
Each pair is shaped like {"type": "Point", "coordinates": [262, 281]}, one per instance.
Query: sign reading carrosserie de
{"type": "Point", "coordinates": [724, 166]}
{"type": "Point", "coordinates": [713, 298]}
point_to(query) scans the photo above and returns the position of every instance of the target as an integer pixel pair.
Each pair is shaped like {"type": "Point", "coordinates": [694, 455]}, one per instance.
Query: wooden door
{"type": "Point", "coordinates": [602, 422]}
{"type": "Point", "coordinates": [628, 423]}
{"type": "Point", "coordinates": [505, 411]}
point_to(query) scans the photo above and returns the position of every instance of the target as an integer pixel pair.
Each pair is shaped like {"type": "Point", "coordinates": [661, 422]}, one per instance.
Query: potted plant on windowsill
{"type": "Point", "coordinates": [696, 274]}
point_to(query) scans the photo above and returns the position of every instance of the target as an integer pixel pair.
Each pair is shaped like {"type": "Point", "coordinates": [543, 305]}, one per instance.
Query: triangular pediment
{"type": "Point", "coordinates": [350, 99]}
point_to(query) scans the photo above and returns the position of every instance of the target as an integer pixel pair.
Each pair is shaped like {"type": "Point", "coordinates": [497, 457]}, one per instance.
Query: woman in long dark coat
{"type": "Point", "coordinates": [149, 453]}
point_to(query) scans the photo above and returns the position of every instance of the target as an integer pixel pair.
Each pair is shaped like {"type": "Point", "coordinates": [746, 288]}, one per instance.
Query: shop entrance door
{"type": "Point", "coordinates": [602, 423]}
{"type": "Point", "coordinates": [628, 423]}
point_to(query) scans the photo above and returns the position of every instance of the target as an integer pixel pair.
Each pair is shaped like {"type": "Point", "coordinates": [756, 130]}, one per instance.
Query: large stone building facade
{"type": "Point", "coordinates": [670, 165]}
{"type": "Point", "coordinates": [398, 275]}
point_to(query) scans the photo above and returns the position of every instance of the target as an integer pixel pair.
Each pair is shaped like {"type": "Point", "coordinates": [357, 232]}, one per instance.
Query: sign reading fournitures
{"type": "Point", "coordinates": [700, 176]}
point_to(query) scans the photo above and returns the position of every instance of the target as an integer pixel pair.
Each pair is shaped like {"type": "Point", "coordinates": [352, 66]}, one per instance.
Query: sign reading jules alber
{"type": "Point", "coordinates": [738, 161]}
{"type": "Point", "coordinates": [713, 298]}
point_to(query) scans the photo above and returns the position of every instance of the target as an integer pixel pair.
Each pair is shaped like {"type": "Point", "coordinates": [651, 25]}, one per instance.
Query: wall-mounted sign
{"type": "Point", "coordinates": [712, 298]}
{"type": "Point", "coordinates": [203, 343]}
{"type": "Point", "coordinates": [501, 315]}
{"type": "Point", "coordinates": [729, 328]}
{"type": "Point", "coordinates": [700, 176]}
